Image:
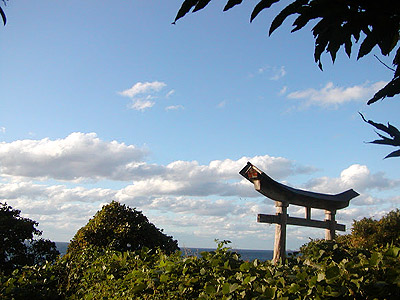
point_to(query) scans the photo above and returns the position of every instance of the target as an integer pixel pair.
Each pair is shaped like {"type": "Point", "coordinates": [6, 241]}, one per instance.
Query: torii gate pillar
{"type": "Point", "coordinates": [280, 231]}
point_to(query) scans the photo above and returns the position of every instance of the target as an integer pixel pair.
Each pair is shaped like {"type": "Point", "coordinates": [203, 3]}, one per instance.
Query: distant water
{"type": "Point", "coordinates": [244, 254]}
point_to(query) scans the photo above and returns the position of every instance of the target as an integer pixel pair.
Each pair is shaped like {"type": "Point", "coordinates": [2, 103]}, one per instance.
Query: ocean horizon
{"type": "Point", "coordinates": [245, 254]}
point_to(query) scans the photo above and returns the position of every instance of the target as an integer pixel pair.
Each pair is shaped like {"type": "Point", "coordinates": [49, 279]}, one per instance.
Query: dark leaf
{"type": "Point", "coordinates": [201, 4]}
{"type": "Point", "coordinates": [389, 129]}
{"type": "Point", "coordinates": [260, 6]}
{"type": "Point", "coordinates": [369, 42]}
{"type": "Point", "coordinates": [291, 9]}
{"type": "Point", "coordinates": [231, 3]}
{"type": "Point", "coordinates": [3, 16]}
{"type": "Point", "coordinates": [185, 8]}
{"type": "Point", "coordinates": [394, 154]}
{"type": "Point", "coordinates": [396, 62]}
{"type": "Point", "coordinates": [306, 15]}
{"type": "Point", "coordinates": [389, 90]}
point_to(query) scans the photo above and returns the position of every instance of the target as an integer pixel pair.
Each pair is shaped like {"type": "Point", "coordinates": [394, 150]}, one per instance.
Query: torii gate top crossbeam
{"type": "Point", "coordinates": [282, 193]}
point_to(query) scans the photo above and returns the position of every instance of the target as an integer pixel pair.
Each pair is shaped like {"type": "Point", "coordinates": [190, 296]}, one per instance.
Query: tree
{"type": "Point", "coordinates": [18, 247]}
{"type": "Point", "coordinates": [340, 23]}
{"type": "Point", "coordinates": [121, 228]}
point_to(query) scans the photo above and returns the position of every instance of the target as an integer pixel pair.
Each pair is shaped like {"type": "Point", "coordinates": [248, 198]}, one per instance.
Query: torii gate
{"type": "Point", "coordinates": [285, 195]}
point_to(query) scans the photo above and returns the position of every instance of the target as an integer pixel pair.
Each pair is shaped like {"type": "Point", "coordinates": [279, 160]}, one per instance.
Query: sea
{"type": "Point", "coordinates": [245, 254]}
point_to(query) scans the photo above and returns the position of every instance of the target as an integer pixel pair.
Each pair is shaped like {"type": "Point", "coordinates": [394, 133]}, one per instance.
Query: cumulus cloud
{"type": "Point", "coordinates": [143, 94]}
{"type": "Point", "coordinates": [185, 198]}
{"type": "Point", "coordinates": [76, 157]}
{"type": "Point", "coordinates": [84, 156]}
{"type": "Point", "coordinates": [333, 96]}
{"type": "Point", "coordinates": [357, 177]}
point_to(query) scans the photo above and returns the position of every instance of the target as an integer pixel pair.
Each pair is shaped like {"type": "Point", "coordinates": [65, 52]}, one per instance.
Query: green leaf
{"type": "Point", "coordinates": [332, 272]}
{"type": "Point", "coordinates": [226, 288]}
{"type": "Point", "coordinates": [270, 292]}
{"type": "Point", "coordinates": [294, 288]}
{"type": "Point", "coordinates": [233, 287]}
{"type": "Point", "coordinates": [163, 278]}
{"type": "Point", "coordinates": [210, 289]}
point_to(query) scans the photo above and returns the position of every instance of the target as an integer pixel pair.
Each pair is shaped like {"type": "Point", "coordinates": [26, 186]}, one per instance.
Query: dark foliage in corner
{"type": "Point", "coordinates": [392, 131]}
{"type": "Point", "coordinates": [121, 228]}
{"type": "Point", "coordinates": [18, 246]}
{"type": "Point", "coordinates": [339, 23]}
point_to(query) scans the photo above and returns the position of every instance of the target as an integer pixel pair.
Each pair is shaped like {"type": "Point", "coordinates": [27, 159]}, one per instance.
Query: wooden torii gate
{"type": "Point", "coordinates": [285, 195]}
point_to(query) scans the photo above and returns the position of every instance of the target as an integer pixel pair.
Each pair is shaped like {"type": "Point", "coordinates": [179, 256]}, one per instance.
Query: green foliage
{"type": "Point", "coordinates": [322, 270]}
{"type": "Point", "coordinates": [118, 227]}
{"type": "Point", "coordinates": [368, 233]}
{"type": "Point", "coordinates": [221, 274]}
{"type": "Point", "coordinates": [18, 247]}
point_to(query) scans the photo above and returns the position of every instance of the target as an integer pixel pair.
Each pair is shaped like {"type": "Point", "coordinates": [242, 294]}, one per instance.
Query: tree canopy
{"type": "Point", "coordinates": [340, 23]}
{"type": "Point", "coordinates": [18, 246]}
{"type": "Point", "coordinates": [119, 227]}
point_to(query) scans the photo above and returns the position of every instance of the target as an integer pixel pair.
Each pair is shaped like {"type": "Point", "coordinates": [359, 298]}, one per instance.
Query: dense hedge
{"type": "Point", "coordinates": [324, 270]}
{"type": "Point", "coordinates": [362, 265]}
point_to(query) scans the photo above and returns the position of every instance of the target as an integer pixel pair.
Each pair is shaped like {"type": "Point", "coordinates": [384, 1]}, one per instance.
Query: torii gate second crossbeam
{"type": "Point", "coordinates": [285, 195]}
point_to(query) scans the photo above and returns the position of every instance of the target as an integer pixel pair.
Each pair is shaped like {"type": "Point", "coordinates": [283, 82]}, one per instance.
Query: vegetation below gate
{"type": "Point", "coordinates": [340, 269]}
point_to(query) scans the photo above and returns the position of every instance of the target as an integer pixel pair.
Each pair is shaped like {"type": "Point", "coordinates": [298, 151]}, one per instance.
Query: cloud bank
{"type": "Point", "coordinates": [60, 182]}
{"type": "Point", "coordinates": [333, 96]}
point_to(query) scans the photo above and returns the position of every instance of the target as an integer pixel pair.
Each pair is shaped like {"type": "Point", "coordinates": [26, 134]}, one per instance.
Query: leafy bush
{"type": "Point", "coordinates": [368, 233]}
{"type": "Point", "coordinates": [322, 270]}
{"type": "Point", "coordinates": [221, 274]}
{"type": "Point", "coordinates": [121, 228]}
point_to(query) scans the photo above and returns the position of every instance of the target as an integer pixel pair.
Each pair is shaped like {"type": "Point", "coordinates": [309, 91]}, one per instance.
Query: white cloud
{"type": "Point", "coordinates": [143, 88]}
{"type": "Point", "coordinates": [174, 107]}
{"type": "Point", "coordinates": [2, 129]}
{"type": "Point", "coordinates": [278, 73]}
{"type": "Point", "coordinates": [142, 94]}
{"type": "Point", "coordinates": [331, 96]}
{"type": "Point", "coordinates": [274, 73]}
{"type": "Point", "coordinates": [170, 93]}
{"type": "Point", "coordinates": [142, 103]}
{"type": "Point", "coordinates": [187, 199]}
{"type": "Point", "coordinates": [357, 177]}
{"type": "Point", "coordinates": [283, 90]}
{"type": "Point", "coordinates": [76, 157]}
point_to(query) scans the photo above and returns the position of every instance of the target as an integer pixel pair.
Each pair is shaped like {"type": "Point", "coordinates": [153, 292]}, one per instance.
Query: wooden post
{"type": "Point", "coordinates": [280, 232]}
{"type": "Point", "coordinates": [308, 213]}
{"type": "Point", "coordinates": [330, 217]}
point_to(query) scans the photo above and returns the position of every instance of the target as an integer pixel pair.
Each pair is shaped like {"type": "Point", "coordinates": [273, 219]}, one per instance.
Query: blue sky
{"type": "Point", "coordinates": [109, 101]}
